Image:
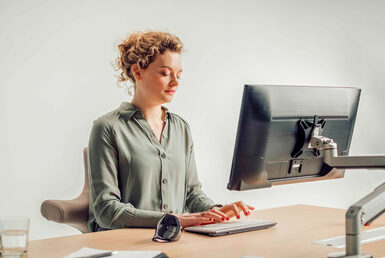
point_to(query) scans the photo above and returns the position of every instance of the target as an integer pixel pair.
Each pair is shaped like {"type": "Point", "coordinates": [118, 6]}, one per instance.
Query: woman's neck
{"type": "Point", "coordinates": [152, 113]}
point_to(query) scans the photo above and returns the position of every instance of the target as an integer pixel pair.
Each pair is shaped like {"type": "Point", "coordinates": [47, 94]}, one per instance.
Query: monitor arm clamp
{"type": "Point", "coordinates": [363, 211]}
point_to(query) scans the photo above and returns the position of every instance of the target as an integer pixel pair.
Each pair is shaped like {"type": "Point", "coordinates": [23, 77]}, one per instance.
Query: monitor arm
{"type": "Point", "coordinates": [363, 211]}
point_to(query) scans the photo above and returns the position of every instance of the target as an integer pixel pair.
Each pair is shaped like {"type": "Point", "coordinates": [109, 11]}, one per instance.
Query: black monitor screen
{"type": "Point", "coordinates": [274, 129]}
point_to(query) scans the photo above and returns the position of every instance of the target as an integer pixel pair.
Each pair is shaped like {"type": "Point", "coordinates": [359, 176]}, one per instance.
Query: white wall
{"type": "Point", "coordinates": [56, 78]}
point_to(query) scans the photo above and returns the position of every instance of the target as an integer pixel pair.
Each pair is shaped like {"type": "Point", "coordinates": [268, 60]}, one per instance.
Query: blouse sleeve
{"type": "Point", "coordinates": [196, 199]}
{"type": "Point", "coordinates": [105, 198]}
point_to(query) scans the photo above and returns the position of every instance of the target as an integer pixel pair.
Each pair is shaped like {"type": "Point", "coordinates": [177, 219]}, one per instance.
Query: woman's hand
{"type": "Point", "coordinates": [225, 213]}
{"type": "Point", "coordinates": [215, 215]}
{"type": "Point", "coordinates": [235, 209]}
{"type": "Point", "coordinates": [193, 219]}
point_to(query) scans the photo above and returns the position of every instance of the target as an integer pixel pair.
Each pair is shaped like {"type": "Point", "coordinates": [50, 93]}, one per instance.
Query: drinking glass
{"type": "Point", "coordinates": [14, 235]}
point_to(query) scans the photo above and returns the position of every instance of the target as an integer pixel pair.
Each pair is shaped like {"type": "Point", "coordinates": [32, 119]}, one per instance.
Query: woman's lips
{"type": "Point", "coordinates": [171, 92]}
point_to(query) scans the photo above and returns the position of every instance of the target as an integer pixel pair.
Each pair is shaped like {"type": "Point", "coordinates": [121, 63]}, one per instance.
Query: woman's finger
{"type": "Point", "coordinates": [188, 221]}
{"type": "Point", "coordinates": [234, 208]}
{"type": "Point", "coordinates": [223, 215]}
{"type": "Point", "coordinates": [210, 214]}
{"type": "Point", "coordinates": [212, 222]}
{"type": "Point", "coordinates": [243, 207]}
{"type": "Point", "coordinates": [204, 220]}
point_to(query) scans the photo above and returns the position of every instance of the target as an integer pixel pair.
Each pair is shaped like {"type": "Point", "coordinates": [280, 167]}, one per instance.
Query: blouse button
{"type": "Point", "coordinates": [165, 206]}
{"type": "Point", "coordinates": [163, 155]}
{"type": "Point", "coordinates": [164, 180]}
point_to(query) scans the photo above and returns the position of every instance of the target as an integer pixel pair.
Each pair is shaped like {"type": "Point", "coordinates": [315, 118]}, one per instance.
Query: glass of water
{"type": "Point", "coordinates": [13, 235]}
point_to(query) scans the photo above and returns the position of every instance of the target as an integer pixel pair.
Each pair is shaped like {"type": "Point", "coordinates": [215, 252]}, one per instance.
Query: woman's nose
{"type": "Point", "coordinates": [174, 80]}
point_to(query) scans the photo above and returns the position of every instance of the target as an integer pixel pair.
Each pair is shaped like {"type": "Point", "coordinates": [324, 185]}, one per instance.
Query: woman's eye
{"type": "Point", "coordinates": [165, 74]}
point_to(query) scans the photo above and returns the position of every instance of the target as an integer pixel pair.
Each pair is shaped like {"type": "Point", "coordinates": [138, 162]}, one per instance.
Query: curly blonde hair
{"type": "Point", "coordinates": [141, 48]}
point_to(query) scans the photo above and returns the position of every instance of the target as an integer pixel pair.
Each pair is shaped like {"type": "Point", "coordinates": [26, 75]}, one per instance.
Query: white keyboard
{"type": "Point", "coordinates": [231, 227]}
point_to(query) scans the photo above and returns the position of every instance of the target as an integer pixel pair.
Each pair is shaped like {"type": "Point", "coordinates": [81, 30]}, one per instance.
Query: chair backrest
{"type": "Point", "coordinates": [86, 187]}
{"type": "Point", "coordinates": [71, 212]}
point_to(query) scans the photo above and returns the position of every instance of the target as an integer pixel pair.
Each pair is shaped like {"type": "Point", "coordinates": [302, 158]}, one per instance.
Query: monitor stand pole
{"type": "Point", "coordinates": [363, 211]}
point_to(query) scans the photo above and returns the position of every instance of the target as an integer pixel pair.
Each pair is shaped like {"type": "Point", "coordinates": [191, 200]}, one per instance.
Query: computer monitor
{"type": "Point", "coordinates": [274, 129]}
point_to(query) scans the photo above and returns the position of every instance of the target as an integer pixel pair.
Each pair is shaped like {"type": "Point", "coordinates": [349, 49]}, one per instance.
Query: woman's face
{"type": "Point", "coordinates": [159, 81]}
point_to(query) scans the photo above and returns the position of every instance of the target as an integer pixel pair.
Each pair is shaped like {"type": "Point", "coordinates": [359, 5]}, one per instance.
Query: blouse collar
{"type": "Point", "coordinates": [128, 110]}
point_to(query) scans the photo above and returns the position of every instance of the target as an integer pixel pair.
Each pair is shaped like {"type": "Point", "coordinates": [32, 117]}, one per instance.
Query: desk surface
{"type": "Point", "coordinates": [297, 227]}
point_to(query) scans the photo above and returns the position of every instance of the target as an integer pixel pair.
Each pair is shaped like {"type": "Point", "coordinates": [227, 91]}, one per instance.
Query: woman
{"type": "Point", "coordinates": [141, 155]}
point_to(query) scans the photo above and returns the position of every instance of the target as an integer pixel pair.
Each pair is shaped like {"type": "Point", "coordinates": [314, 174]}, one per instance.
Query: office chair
{"type": "Point", "coordinates": [71, 212]}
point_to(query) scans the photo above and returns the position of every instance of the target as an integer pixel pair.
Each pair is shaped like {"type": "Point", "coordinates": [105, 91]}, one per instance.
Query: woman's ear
{"type": "Point", "coordinates": [136, 72]}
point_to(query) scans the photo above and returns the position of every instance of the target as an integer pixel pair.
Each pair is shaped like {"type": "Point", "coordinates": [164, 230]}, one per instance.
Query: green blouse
{"type": "Point", "coordinates": [134, 178]}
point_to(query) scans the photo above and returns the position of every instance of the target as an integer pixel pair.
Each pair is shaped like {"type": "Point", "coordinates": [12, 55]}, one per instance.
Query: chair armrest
{"type": "Point", "coordinates": [73, 212]}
